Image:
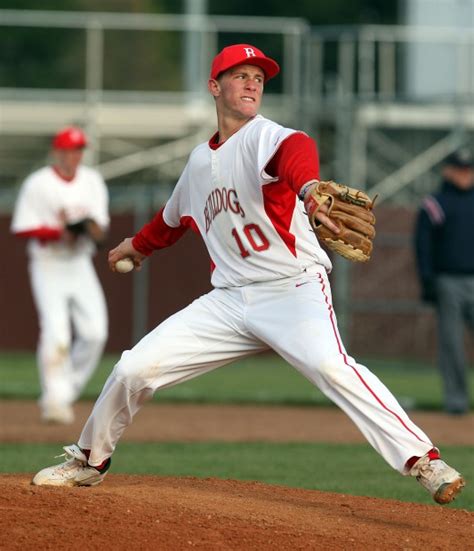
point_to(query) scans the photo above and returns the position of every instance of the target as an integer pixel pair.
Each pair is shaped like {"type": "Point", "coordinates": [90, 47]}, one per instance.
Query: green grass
{"type": "Point", "coordinates": [349, 469]}
{"type": "Point", "coordinates": [260, 379]}
{"type": "Point", "coordinates": [346, 469]}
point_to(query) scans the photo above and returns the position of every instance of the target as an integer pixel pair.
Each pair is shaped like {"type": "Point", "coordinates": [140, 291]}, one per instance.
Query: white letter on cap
{"type": "Point", "coordinates": [250, 52]}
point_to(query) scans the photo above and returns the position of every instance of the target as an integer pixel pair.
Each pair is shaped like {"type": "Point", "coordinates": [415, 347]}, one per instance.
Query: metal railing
{"type": "Point", "coordinates": [353, 78]}
{"type": "Point", "coordinates": [107, 112]}
{"type": "Point", "coordinates": [375, 62]}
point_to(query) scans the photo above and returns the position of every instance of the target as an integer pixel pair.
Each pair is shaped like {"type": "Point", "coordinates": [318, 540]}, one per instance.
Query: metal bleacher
{"type": "Point", "coordinates": [122, 123]}
{"type": "Point", "coordinates": [348, 86]}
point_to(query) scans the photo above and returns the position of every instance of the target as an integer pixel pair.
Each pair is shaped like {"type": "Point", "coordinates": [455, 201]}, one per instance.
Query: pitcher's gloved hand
{"type": "Point", "coordinates": [350, 209]}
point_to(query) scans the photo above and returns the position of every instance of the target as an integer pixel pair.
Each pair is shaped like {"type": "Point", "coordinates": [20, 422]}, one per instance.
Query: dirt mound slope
{"type": "Point", "coordinates": [149, 512]}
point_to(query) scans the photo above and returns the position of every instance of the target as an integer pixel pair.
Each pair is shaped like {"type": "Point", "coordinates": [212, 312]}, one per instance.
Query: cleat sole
{"type": "Point", "coordinates": [449, 491]}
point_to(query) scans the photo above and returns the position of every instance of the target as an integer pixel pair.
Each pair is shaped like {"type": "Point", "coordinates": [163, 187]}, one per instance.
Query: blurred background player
{"type": "Point", "coordinates": [445, 260]}
{"type": "Point", "coordinates": [62, 210]}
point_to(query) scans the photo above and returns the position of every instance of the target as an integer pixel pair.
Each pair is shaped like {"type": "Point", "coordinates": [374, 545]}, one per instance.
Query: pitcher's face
{"type": "Point", "coordinates": [238, 91]}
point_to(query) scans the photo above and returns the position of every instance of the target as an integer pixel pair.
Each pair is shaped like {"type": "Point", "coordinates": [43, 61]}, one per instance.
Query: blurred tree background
{"type": "Point", "coordinates": [137, 60]}
{"type": "Point", "coordinates": [336, 12]}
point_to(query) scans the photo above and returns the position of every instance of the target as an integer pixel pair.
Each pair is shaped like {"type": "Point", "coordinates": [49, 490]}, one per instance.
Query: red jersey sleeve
{"type": "Point", "coordinates": [157, 235]}
{"type": "Point", "coordinates": [296, 161]}
{"type": "Point", "coordinates": [44, 234]}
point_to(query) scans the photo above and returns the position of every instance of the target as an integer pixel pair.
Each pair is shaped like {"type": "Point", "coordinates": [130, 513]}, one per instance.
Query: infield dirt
{"type": "Point", "coordinates": [171, 514]}
{"type": "Point", "coordinates": [225, 423]}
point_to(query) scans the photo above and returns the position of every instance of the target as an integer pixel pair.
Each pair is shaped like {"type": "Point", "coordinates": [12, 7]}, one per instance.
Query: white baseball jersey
{"type": "Point", "coordinates": [43, 196]}
{"type": "Point", "coordinates": [254, 227]}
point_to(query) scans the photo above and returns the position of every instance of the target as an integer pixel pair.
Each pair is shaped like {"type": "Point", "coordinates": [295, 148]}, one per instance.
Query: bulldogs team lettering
{"type": "Point", "coordinates": [221, 199]}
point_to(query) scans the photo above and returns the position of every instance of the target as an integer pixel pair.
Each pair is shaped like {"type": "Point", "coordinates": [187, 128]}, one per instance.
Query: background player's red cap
{"type": "Point", "coordinates": [243, 54]}
{"type": "Point", "coordinates": [70, 138]}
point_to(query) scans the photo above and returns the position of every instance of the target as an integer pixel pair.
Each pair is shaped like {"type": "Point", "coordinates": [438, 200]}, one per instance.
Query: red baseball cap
{"type": "Point", "coordinates": [243, 54]}
{"type": "Point", "coordinates": [71, 137]}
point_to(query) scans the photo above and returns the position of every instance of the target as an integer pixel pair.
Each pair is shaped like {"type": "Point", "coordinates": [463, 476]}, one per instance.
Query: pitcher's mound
{"type": "Point", "coordinates": [149, 512]}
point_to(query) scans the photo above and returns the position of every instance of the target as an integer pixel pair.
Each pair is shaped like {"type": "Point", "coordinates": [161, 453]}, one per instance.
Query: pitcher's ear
{"type": "Point", "coordinates": [214, 87]}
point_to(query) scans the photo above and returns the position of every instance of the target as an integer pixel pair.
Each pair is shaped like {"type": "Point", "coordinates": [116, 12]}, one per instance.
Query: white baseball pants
{"type": "Point", "coordinates": [294, 317]}
{"type": "Point", "coordinates": [73, 325]}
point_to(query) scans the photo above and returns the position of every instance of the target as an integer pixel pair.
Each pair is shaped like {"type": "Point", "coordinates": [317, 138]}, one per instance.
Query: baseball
{"type": "Point", "coordinates": [124, 265]}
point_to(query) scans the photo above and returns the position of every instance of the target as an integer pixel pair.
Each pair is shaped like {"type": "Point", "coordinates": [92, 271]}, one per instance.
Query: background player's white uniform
{"type": "Point", "coordinates": [64, 283]}
{"type": "Point", "coordinates": [271, 291]}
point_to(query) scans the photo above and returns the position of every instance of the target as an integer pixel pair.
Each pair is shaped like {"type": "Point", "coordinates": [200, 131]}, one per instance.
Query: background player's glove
{"type": "Point", "coordinates": [80, 227]}
{"type": "Point", "coordinates": [87, 227]}
{"type": "Point", "coordinates": [351, 210]}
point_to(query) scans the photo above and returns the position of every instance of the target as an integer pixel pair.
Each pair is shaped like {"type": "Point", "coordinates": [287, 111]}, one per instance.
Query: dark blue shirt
{"type": "Point", "coordinates": [444, 235]}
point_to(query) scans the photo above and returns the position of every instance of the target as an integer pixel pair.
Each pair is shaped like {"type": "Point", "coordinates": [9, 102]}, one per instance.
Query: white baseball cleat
{"type": "Point", "coordinates": [441, 481]}
{"type": "Point", "coordinates": [73, 472]}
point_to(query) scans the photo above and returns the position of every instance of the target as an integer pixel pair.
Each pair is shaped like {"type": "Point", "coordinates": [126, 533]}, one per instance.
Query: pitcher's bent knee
{"type": "Point", "coordinates": [136, 372]}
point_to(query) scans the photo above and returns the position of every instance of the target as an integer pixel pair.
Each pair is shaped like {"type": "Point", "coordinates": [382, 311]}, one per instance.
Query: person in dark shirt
{"type": "Point", "coordinates": [444, 244]}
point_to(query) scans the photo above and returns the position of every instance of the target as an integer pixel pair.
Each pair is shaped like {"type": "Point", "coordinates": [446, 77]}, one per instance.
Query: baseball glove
{"type": "Point", "coordinates": [88, 228]}
{"type": "Point", "coordinates": [81, 227]}
{"type": "Point", "coordinates": [351, 210]}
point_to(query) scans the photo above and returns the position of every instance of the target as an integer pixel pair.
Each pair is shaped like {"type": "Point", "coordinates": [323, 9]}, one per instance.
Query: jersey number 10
{"type": "Point", "coordinates": [255, 237]}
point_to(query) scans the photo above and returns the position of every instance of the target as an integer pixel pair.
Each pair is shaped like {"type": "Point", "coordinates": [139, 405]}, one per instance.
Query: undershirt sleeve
{"type": "Point", "coordinates": [43, 233]}
{"type": "Point", "coordinates": [296, 161]}
{"type": "Point", "coordinates": [157, 235]}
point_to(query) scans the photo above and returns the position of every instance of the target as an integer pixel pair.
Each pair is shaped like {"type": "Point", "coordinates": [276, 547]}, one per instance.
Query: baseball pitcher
{"type": "Point", "coordinates": [254, 195]}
